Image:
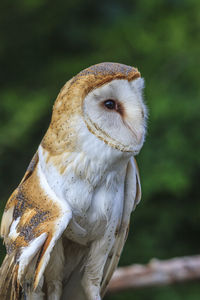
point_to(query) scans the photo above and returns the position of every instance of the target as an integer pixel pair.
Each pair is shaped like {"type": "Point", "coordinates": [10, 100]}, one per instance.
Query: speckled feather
{"type": "Point", "coordinates": [37, 215]}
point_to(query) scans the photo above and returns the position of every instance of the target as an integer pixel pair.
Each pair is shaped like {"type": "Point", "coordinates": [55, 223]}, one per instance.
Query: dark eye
{"type": "Point", "coordinates": [110, 104]}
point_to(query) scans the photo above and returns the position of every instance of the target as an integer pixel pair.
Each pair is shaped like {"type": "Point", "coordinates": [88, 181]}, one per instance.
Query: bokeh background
{"type": "Point", "coordinates": [43, 43]}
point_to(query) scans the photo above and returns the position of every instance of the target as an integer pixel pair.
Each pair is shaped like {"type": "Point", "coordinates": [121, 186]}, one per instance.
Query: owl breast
{"type": "Point", "coordinates": [95, 210]}
{"type": "Point", "coordinates": [93, 186]}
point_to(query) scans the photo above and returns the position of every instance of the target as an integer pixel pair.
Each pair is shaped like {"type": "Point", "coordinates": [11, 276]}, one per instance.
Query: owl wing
{"type": "Point", "coordinates": [132, 196]}
{"type": "Point", "coordinates": [33, 220]}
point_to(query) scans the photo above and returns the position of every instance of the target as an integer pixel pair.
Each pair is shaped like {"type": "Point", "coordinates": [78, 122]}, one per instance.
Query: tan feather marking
{"type": "Point", "coordinates": [36, 197]}
{"type": "Point", "coordinates": [62, 169]}
{"type": "Point", "coordinates": [59, 161]}
{"type": "Point", "coordinates": [13, 201]}
{"type": "Point", "coordinates": [16, 290]}
{"type": "Point", "coordinates": [9, 285]}
{"type": "Point", "coordinates": [40, 259]}
{"type": "Point", "coordinates": [19, 242]}
{"type": "Point", "coordinates": [25, 218]}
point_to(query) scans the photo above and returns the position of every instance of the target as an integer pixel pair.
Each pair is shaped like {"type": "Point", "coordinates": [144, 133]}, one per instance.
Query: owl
{"type": "Point", "coordinates": [66, 223]}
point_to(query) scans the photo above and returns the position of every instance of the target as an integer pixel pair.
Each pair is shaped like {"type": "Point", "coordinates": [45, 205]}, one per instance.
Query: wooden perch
{"type": "Point", "coordinates": [156, 273]}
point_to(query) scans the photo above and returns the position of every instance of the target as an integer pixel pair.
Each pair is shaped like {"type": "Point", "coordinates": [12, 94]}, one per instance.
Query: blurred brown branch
{"type": "Point", "coordinates": [156, 273]}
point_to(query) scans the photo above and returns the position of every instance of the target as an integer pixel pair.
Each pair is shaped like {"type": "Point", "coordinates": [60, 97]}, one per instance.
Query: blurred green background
{"type": "Point", "coordinates": [44, 43]}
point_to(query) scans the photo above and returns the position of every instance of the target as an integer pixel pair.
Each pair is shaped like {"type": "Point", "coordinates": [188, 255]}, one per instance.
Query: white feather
{"type": "Point", "coordinates": [13, 234]}
{"type": "Point", "coordinates": [62, 221]}
{"type": "Point", "coordinates": [27, 253]}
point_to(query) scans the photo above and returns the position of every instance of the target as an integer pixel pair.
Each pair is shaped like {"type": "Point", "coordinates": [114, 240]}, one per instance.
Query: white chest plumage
{"type": "Point", "coordinates": [92, 185]}
{"type": "Point", "coordinates": [99, 209]}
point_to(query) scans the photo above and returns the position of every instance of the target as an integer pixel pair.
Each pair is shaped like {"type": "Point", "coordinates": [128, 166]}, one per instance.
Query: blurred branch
{"type": "Point", "coordinates": [156, 273]}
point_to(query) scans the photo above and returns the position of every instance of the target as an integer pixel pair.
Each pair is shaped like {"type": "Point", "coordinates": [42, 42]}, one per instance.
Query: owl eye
{"type": "Point", "coordinates": [110, 104]}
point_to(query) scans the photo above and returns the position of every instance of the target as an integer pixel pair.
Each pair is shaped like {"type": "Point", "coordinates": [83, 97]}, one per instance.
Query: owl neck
{"type": "Point", "coordinates": [92, 162]}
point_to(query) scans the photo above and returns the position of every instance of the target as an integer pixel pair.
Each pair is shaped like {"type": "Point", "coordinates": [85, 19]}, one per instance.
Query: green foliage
{"type": "Point", "coordinates": [44, 43]}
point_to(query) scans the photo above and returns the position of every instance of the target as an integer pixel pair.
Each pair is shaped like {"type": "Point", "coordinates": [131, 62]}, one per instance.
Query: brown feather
{"type": "Point", "coordinates": [9, 285]}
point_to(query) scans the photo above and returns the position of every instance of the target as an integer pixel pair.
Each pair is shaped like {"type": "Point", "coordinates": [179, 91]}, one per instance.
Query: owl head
{"type": "Point", "coordinates": [106, 99]}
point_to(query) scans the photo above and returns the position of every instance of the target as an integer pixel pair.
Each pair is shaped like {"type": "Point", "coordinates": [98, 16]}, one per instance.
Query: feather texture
{"type": "Point", "coordinates": [37, 222]}
{"type": "Point", "coordinates": [132, 197]}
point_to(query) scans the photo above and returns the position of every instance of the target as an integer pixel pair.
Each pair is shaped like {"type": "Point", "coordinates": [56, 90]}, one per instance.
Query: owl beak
{"type": "Point", "coordinates": [137, 134]}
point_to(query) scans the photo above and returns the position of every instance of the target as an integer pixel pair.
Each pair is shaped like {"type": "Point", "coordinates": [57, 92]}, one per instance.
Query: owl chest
{"type": "Point", "coordinates": [94, 208]}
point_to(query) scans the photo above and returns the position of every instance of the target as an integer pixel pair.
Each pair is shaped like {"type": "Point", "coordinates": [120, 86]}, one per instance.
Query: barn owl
{"type": "Point", "coordinates": [66, 223]}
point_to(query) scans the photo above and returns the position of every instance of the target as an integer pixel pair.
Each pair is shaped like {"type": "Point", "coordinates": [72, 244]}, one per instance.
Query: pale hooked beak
{"type": "Point", "coordinates": [137, 134]}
